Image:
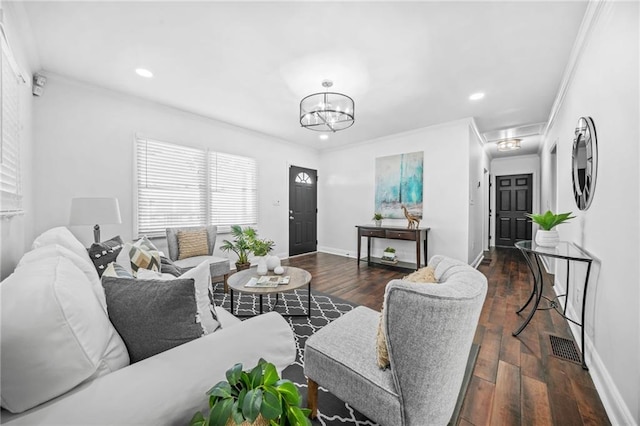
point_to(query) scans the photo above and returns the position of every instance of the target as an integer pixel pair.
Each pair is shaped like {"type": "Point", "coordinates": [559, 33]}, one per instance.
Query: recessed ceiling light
{"type": "Point", "coordinates": [324, 137]}
{"type": "Point", "coordinates": [144, 73]}
{"type": "Point", "coordinates": [476, 96]}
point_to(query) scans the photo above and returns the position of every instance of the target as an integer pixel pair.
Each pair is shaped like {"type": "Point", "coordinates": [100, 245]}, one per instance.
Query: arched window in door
{"type": "Point", "coordinates": [302, 177]}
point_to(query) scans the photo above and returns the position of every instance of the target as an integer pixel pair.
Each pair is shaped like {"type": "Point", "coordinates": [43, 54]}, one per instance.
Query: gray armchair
{"type": "Point", "coordinates": [219, 265]}
{"type": "Point", "coordinates": [429, 330]}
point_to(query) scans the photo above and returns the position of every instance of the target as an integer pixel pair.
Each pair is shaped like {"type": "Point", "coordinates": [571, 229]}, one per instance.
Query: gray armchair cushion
{"type": "Point", "coordinates": [172, 239]}
{"type": "Point", "coordinates": [342, 358]}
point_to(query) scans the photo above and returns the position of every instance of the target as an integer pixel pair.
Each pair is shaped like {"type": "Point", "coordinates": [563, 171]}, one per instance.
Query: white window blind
{"type": "Point", "coordinates": [181, 186]}
{"type": "Point", "coordinates": [232, 189]}
{"type": "Point", "coordinates": [10, 184]}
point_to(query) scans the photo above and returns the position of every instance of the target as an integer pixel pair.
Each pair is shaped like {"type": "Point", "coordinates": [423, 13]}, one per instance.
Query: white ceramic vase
{"type": "Point", "coordinates": [272, 262]}
{"type": "Point", "coordinates": [262, 265]}
{"type": "Point", "coordinates": [547, 238]}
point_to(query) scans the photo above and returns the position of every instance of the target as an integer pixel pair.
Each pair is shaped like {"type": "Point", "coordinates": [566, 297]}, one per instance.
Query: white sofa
{"type": "Point", "coordinates": [55, 323]}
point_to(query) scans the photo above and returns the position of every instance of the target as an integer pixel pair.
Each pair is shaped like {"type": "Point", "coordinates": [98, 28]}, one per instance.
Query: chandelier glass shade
{"type": "Point", "coordinates": [509, 144]}
{"type": "Point", "coordinates": [327, 111]}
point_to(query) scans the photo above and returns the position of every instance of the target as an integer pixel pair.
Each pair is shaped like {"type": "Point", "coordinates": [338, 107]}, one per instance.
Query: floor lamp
{"type": "Point", "coordinates": [88, 211]}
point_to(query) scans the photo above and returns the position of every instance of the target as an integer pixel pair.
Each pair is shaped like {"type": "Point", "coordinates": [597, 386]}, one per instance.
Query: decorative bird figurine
{"type": "Point", "coordinates": [414, 222]}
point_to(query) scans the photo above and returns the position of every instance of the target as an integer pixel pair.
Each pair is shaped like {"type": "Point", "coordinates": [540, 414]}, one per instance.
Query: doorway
{"type": "Point", "coordinates": [486, 227]}
{"type": "Point", "coordinates": [514, 198]}
{"type": "Point", "coordinates": [552, 203]}
{"type": "Point", "coordinates": [303, 210]}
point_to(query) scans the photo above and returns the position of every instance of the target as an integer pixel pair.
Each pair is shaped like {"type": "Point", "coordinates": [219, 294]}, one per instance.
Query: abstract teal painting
{"type": "Point", "coordinates": [399, 182]}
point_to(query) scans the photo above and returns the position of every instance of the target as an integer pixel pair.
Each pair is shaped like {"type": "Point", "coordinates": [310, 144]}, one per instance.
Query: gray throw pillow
{"type": "Point", "coordinates": [152, 316]}
{"type": "Point", "coordinates": [168, 267]}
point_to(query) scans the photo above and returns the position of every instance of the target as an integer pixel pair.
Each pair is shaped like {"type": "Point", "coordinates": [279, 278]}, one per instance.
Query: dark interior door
{"type": "Point", "coordinates": [303, 210]}
{"type": "Point", "coordinates": [514, 198]}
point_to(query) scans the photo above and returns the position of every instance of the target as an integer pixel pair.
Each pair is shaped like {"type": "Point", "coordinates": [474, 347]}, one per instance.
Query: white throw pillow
{"type": "Point", "coordinates": [61, 236]}
{"type": "Point", "coordinates": [201, 277]}
{"type": "Point", "coordinates": [54, 334]}
{"type": "Point", "coordinates": [85, 265]}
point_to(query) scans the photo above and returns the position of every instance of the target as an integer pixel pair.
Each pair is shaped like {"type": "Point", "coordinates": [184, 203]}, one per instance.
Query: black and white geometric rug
{"type": "Point", "coordinates": [324, 309]}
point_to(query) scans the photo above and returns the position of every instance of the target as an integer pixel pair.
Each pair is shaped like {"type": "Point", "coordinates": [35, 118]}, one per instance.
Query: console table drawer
{"type": "Point", "coordinates": [372, 233]}
{"type": "Point", "coordinates": [400, 235]}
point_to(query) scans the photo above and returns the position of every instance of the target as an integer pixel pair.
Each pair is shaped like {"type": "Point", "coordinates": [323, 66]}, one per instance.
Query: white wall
{"type": "Point", "coordinates": [85, 137]}
{"type": "Point", "coordinates": [521, 164]}
{"type": "Point", "coordinates": [15, 232]}
{"type": "Point", "coordinates": [478, 161]}
{"type": "Point", "coordinates": [347, 191]}
{"type": "Point", "coordinates": [605, 86]}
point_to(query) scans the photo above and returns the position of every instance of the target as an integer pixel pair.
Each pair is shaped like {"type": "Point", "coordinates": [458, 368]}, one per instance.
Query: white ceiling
{"type": "Point", "coordinates": [406, 64]}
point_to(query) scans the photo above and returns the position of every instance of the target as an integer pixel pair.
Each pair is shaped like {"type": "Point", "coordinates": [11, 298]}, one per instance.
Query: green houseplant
{"type": "Point", "coordinates": [242, 245]}
{"type": "Point", "coordinates": [389, 255]}
{"type": "Point", "coordinates": [377, 217]}
{"type": "Point", "coordinates": [257, 395]}
{"type": "Point", "coordinates": [547, 236]}
{"type": "Point", "coordinates": [262, 247]}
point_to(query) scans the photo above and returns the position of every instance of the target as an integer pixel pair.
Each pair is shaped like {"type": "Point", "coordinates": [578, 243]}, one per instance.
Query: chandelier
{"type": "Point", "coordinates": [327, 111]}
{"type": "Point", "coordinates": [509, 144]}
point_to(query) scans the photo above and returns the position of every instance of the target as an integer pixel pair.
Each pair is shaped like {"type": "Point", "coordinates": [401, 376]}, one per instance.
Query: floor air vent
{"type": "Point", "coordinates": [564, 349]}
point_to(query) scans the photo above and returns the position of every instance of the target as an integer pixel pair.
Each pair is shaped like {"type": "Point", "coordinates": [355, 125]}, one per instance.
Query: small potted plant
{"type": "Point", "coordinates": [377, 218]}
{"type": "Point", "coordinates": [389, 253]}
{"type": "Point", "coordinates": [253, 397]}
{"type": "Point", "coordinates": [261, 249]}
{"type": "Point", "coordinates": [547, 236]}
{"type": "Point", "coordinates": [242, 245]}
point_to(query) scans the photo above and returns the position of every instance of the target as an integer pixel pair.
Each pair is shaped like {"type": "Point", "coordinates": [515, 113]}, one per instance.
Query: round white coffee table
{"type": "Point", "coordinates": [297, 278]}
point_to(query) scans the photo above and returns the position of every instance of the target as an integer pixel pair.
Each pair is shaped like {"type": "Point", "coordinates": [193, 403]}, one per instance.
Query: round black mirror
{"type": "Point", "coordinates": [584, 162]}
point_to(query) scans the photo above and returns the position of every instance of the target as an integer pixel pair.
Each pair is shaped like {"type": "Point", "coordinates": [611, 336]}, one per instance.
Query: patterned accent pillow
{"type": "Point", "coordinates": [421, 276]}
{"type": "Point", "coordinates": [193, 243]}
{"type": "Point", "coordinates": [144, 255]}
{"type": "Point", "coordinates": [102, 254]}
{"type": "Point", "coordinates": [116, 270]}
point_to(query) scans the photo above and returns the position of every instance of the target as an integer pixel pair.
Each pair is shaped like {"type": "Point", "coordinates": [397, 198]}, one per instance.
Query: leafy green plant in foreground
{"type": "Point", "coordinates": [549, 220]}
{"type": "Point", "coordinates": [247, 394]}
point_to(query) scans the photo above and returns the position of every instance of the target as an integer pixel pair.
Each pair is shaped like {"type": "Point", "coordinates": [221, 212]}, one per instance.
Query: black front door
{"type": "Point", "coordinates": [303, 211]}
{"type": "Point", "coordinates": [513, 199]}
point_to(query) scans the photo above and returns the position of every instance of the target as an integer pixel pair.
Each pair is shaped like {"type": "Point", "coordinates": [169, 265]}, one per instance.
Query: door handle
{"type": "Point", "coordinates": [290, 217]}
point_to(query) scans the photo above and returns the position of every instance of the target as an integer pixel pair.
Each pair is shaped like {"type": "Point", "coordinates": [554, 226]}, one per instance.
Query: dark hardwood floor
{"type": "Point", "coordinates": [515, 381]}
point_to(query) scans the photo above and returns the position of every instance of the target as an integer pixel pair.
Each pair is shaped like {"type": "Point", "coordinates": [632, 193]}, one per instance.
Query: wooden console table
{"type": "Point", "coordinates": [418, 235]}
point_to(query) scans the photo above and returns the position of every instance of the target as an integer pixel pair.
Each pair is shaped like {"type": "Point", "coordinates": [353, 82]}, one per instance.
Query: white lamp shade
{"type": "Point", "coordinates": [92, 211]}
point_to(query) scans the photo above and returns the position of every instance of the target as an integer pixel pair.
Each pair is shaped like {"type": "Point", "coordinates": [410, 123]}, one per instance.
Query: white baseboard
{"type": "Point", "coordinates": [614, 404]}
{"type": "Point", "coordinates": [476, 262]}
{"type": "Point", "coordinates": [338, 252]}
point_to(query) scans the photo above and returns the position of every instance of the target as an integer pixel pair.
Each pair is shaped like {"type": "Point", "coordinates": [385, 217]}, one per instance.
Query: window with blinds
{"type": "Point", "coordinates": [182, 186]}
{"type": "Point", "coordinates": [10, 188]}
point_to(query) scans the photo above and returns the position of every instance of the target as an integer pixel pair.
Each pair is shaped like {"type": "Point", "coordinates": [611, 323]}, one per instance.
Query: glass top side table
{"type": "Point", "coordinates": [566, 251]}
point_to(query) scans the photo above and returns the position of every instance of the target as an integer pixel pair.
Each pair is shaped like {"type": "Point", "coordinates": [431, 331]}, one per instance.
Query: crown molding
{"type": "Point", "coordinates": [591, 15]}
{"type": "Point", "coordinates": [474, 127]}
